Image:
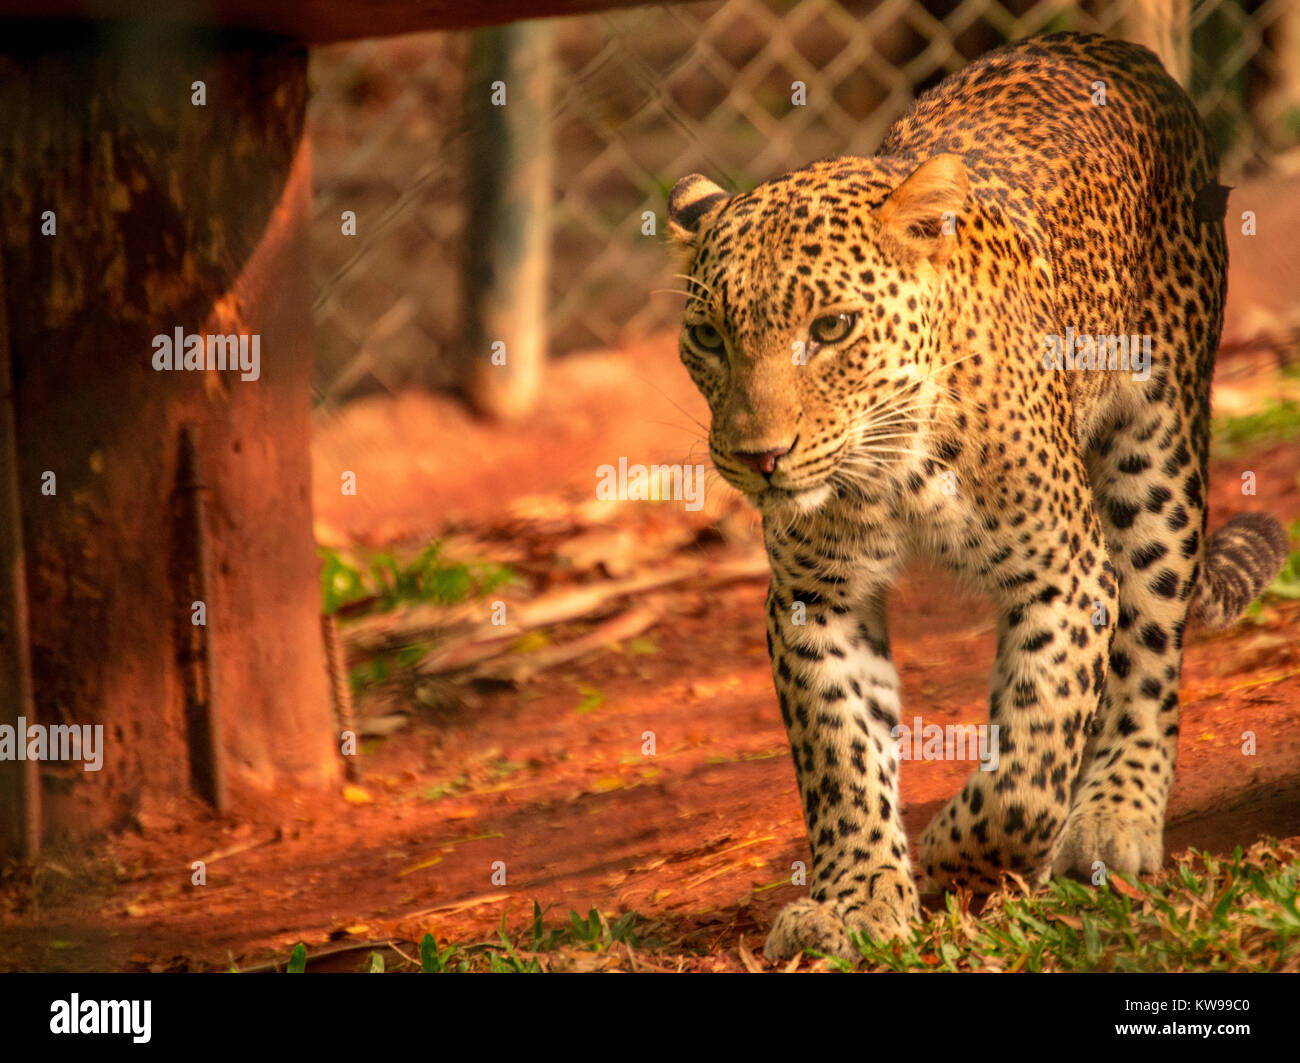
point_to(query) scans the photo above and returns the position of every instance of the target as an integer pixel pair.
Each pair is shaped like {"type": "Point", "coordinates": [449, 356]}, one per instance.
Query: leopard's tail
{"type": "Point", "coordinates": [1241, 559]}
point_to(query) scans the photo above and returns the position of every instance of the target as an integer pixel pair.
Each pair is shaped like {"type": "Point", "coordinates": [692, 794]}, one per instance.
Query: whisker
{"type": "Point", "coordinates": [694, 280]}
{"type": "Point", "coordinates": [863, 456]}
{"type": "Point", "coordinates": [899, 425]}
{"type": "Point", "coordinates": [904, 405]}
{"type": "Point", "coordinates": [957, 361]}
{"type": "Point", "coordinates": [675, 291]}
{"type": "Point", "coordinates": [673, 402]}
{"type": "Point", "coordinates": [690, 429]}
{"type": "Point", "coordinates": [874, 436]}
{"type": "Point", "coordinates": [881, 412]}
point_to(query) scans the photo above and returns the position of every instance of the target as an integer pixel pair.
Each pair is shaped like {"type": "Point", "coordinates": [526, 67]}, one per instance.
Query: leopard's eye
{"type": "Point", "coordinates": [706, 336]}
{"type": "Point", "coordinates": [832, 328]}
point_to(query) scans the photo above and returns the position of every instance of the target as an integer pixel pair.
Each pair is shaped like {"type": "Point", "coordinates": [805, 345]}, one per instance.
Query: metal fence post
{"type": "Point", "coordinates": [1165, 27]}
{"type": "Point", "coordinates": [507, 244]}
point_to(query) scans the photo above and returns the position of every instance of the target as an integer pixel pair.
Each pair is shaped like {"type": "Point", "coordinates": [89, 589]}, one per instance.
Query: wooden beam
{"type": "Point", "coordinates": [314, 21]}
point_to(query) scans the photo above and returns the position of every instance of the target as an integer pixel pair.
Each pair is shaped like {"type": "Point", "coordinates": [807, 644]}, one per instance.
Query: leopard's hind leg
{"type": "Point", "coordinates": [1149, 477]}
{"type": "Point", "coordinates": [1149, 472]}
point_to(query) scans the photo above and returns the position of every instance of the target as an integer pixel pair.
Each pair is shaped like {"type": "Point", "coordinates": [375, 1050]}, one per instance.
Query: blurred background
{"type": "Point", "coordinates": [619, 105]}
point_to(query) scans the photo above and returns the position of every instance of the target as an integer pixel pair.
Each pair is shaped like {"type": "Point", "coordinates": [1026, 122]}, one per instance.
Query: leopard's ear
{"type": "Point", "coordinates": [923, 212]}
{"type": "Point", "coordinates": [692, 204]}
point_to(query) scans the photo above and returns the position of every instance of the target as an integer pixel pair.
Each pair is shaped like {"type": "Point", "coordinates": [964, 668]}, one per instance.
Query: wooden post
{"type": "Point", "coordinates": [155, 190]}
{"type": "Point", "coordinates": [507, 246]}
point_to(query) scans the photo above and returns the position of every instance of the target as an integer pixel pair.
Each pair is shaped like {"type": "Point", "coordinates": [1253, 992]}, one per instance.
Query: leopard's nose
{"type": "Point", "coordinates": [762, 462]}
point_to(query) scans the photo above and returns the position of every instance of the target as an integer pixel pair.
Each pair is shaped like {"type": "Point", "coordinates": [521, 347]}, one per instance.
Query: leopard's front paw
{"type": "Point", "coordinates": [1119, 837]}
{"type": "Point", "coordinates": [820, 926]}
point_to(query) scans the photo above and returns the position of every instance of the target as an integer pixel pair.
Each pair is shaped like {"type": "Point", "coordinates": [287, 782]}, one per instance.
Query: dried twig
{"type": "Point", "coordinates": [625, 626]}
{"type": "Point", "coordinates": [472, 646]}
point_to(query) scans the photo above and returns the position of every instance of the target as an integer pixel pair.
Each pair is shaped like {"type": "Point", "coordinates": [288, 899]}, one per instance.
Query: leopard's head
{"type": "Point", "coordinates": [810, 324]}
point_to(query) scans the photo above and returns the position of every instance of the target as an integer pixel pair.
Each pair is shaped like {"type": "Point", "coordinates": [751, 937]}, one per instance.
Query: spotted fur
{"type": "Point", "coordinates": [870, 334]}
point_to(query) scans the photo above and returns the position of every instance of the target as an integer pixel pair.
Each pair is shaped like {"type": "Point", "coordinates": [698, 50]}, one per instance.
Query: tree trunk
{"type": "Point", "coordinates": [133, 209]}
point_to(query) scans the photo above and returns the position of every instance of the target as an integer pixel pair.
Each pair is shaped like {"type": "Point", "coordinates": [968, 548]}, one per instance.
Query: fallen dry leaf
{"type": "Point", "coordinates": [1127, 889]}
{"type": "Point", "coordinates": [747, 958]}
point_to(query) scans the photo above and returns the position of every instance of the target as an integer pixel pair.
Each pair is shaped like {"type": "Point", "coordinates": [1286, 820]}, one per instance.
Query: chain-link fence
{"type": "Point", "coordinates": [640, 97]}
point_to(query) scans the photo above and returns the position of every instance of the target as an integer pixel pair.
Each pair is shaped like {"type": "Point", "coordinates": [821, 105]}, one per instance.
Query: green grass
{"type": "Point", "coordinates": [530, 952]}
{"type": "Point", "coordinates": [1287, 583]}
{"type": "Point", "coordinates": [1277, 422]}
{"type": "Point", "coordinates": [526, 955]}
{"type": "Point", "coordinates": [1205, 914]}
{"type": "Point", "coordinates": [383, 580]}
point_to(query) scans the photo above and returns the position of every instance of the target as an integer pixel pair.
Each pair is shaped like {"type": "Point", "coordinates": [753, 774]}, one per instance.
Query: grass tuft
{"type": "Point", "coordinates": [1206, 913]}
{"type": "Point", "coordinates": [383, 581]}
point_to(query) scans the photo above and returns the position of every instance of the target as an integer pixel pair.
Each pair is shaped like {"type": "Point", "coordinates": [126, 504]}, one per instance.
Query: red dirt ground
{"type": "Point", "coordinates": [701, 835]}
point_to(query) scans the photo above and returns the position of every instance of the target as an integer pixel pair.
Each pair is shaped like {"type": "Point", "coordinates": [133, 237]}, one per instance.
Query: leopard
{"type": "Point", "coordinates": [990, 346]}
